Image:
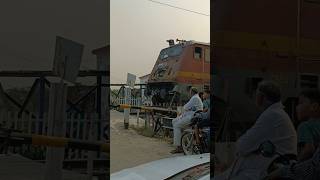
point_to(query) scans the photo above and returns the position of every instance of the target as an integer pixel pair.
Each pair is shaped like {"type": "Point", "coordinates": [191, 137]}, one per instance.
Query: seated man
{"type": "Point", "coordinates": [206, 101]}
{"type": "Point", "coordinates": [201, 96]}
{"type": "Point", "coordinates": [194, 104]}
{"type": "Point", "coordinates": [205, 115]}
{"type": "Point", "coordinates": [273, 125]}
{"type": "Point", "coordinates": [308, 167]}
{"type": "Point", "coordinates": [308, 111]}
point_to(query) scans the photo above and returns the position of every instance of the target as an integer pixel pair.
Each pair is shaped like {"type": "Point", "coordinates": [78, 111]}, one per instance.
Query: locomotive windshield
{"type": "Point", "coordinates": [170, 52]}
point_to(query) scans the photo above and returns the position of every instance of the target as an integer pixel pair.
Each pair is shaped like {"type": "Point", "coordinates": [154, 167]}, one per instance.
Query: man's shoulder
{"type": "Point", "coordinates": [304, 124]}
{"type": "Point", "coordinates": [274, 112]}
{"type": "Point", "coordinates": [196, 97]}
{"type": "Point", "coordinates": [308, 125]}
{"type": "Point", "coordinates": [274, 115]}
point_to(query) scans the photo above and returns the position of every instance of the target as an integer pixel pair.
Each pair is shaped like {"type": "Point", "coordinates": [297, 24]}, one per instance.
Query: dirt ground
{"type": "Point", "coordinates": [129, 149]}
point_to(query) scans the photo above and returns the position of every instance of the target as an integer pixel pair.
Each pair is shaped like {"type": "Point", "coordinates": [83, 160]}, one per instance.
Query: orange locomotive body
{"type": "Point", "coordinates": [177, 67]}
{"type": "Point", "coordinates": [263, 40]}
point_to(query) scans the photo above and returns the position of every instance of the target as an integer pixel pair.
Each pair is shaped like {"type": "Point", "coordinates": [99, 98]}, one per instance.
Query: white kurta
{"type": "Point", "coordinates": [193, 105]}
{"type": "Point", "coordinates": [274, 125]}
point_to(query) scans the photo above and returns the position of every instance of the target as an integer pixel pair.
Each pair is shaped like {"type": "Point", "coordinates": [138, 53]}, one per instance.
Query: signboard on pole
{"type": "Point", "coordinates": [67, 59]}
{"type": "Point", "coordinates": [131, 80]}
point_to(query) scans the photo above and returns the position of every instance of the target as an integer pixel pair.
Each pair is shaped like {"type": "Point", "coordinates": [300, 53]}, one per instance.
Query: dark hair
{"type": "Point", "coordinates": [312, 94]}
{"type": "Point", "coordinates": [270, 90]}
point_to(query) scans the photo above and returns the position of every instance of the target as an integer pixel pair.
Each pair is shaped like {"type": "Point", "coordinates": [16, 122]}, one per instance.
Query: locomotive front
{"type": "Point", "coordinates": [178, 67]}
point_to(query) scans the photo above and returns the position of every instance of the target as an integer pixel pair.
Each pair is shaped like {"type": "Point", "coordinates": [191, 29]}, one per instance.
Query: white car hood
{"type": "Point", "coordinates": [162, 168]}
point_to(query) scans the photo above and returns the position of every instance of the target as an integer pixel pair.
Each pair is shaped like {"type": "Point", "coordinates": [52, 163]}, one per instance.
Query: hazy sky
{"type": "Point", "coordinates": [140, 28]}
{"type": "Point", "coordinates": [29, 28]}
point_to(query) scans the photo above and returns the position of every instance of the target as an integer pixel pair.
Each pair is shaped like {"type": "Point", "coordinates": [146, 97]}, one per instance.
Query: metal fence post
{"type": "Point", "coordinates": [126, 111]}
{"type": "Point", "coordinates": [56, 127]}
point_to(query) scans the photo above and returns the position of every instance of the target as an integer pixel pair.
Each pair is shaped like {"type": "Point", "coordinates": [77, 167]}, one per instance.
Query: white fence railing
{"type": "Point", "coordinates": [82, 127]}
{"type": "Point", "coordinates": [133, 101]}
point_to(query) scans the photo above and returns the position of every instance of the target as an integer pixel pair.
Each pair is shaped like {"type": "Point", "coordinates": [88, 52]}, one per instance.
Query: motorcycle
{"type": "Point", "coordinates": [268, 149]}
{"type": "Point", "coordinates": [189, 142]}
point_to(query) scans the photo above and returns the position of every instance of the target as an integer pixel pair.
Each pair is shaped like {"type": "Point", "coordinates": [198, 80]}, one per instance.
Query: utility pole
{"type": "Point", "coordinates": [66, 66]}
{"type": "Point", "coordinates": [131, 80]}
{"type": "Point", "coordinates": [126, 111]}
{"type": "Point", "coordinates": [56, 127]}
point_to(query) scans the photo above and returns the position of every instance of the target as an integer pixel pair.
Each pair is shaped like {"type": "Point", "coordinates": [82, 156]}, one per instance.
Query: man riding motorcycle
{"type": "Point", "coordinates": [273, 124]}
{"type": "Point", "coordinates": [194, 104]}
{"type": "Point", "coordinates": [308, 167]}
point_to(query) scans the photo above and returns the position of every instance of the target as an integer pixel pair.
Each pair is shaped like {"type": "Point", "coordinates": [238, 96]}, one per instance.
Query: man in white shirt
{"type": "Point", "coordinates": [272, 125]}
{"type": "Point", "coordinates": [182, 121]}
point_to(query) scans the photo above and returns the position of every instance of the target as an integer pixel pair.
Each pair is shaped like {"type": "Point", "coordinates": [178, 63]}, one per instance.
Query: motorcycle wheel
{"type": "Point", "coordinates": [187, 143]}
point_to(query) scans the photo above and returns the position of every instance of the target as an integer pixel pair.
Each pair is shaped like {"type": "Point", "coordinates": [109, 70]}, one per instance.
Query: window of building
{"type": "Point", "coordinates": [197, 53]}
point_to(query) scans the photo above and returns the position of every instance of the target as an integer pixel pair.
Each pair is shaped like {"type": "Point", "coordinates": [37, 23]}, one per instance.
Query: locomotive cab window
{"type": "Point", "coordinates": [170, 52]}
{"type": "Point", "coordinates": [197, 53]}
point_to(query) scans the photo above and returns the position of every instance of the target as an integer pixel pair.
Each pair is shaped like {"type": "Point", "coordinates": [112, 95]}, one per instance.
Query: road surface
{"type": "Point", "coordinates": [129, 149]}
